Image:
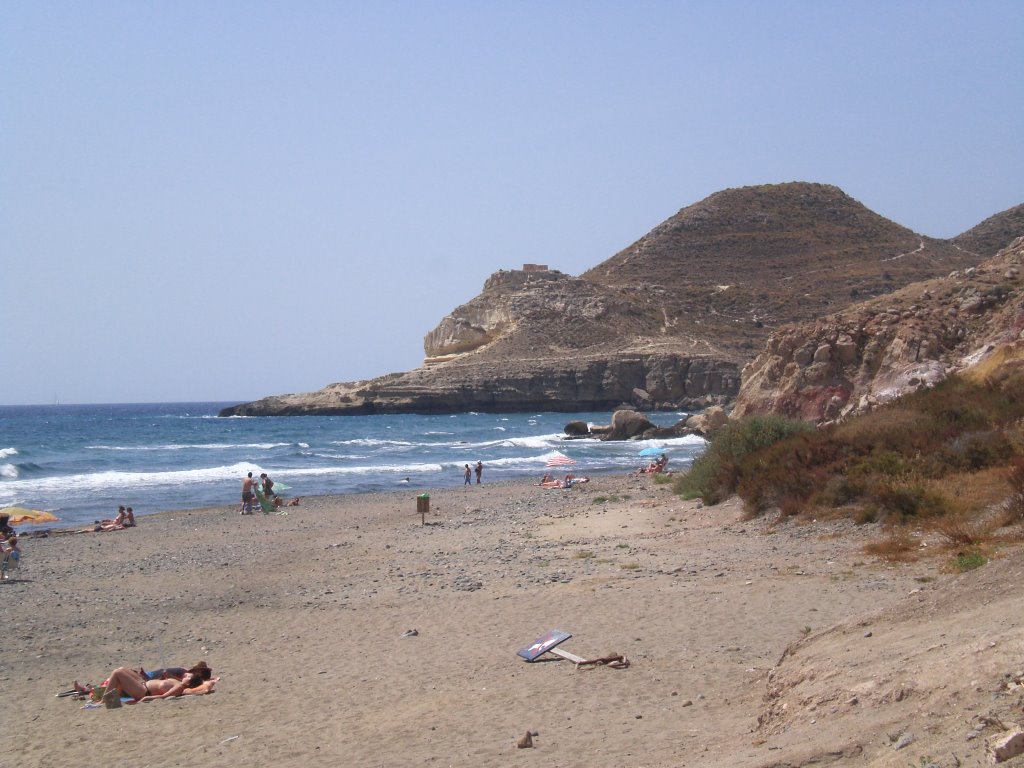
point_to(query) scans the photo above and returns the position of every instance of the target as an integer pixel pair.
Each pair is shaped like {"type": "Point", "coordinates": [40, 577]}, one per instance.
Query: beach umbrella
{"type": "Point", "coordinates": [559, 460]}
{"type": "Point", "coordinates": [21, 515]}
{"type": "Point", "coordinates": [652, 451]}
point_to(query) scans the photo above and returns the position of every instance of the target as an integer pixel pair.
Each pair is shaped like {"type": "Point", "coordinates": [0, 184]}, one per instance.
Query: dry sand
{"type": "Point", "coordinates": [752, 643]}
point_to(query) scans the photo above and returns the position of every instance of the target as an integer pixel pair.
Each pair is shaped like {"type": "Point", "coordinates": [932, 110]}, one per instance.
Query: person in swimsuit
{"type": "Point", "coordinates": [119, 522]}
{"type": "Point", "coordinates": [268, 486]}
{"type": "Point", "coordinates": [131, 682]}
{"type": "Point", "coordinates": [247, 495]}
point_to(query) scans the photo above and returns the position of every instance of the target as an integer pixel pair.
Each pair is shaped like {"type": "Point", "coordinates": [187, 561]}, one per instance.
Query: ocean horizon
{"type": "Point", "coordinates": [81, 461]}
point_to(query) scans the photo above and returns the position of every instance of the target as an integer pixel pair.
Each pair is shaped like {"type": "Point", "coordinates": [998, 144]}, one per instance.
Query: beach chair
{"type": "Point", "coordinates": [11, 559]}
{"type": "Point", "coordinates": [549, 643]}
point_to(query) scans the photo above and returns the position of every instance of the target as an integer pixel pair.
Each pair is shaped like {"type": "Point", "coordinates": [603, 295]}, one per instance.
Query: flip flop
{"type": "Point", "coordinates": [63, 694]}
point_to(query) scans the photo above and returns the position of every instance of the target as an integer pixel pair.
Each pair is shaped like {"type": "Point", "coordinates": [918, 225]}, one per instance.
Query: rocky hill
{"type": "Point", "coordinates": [668, 322]}
{"type": "Point", "coordinates": [994, 233]}
{"type": "Point", "coordinates": [875, 351]}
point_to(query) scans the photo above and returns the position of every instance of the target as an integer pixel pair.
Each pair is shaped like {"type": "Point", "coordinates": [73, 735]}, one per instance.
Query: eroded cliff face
{"type": "Point", "coordinates": [880, 350]}
{"type": "Point", "coordinates": [645, 381]}
{"type": "Point", "coordinates": [511, 299]}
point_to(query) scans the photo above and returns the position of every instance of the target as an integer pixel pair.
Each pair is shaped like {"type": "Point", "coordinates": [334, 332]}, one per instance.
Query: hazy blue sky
{"type": "Point", "coordinates": [225, 200]}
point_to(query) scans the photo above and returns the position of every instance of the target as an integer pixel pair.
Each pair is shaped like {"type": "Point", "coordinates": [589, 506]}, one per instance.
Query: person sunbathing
{"type": "Point", "coordinates": [125, 681]}
{"type": "Point", "coordinates": [118, 523]}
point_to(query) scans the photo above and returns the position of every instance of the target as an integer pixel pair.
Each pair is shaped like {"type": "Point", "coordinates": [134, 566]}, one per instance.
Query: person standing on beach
{"type": "Point", "coordinates": [479, 471]}
{"type": "Point", "coordinates": [268, 486]}
{"type": "Point", "coordinates": [469, 474]}
{"type": "Point", "coordinates": [247, 495]}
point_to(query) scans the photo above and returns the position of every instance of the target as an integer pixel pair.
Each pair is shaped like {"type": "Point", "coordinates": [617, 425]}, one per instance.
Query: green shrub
{"type": "Point", "coordinates": [907, 501]}
{"type": "Point", "coordinates": [715, 474]}
{"type": "Point", "coordinates": [968, 561]}
{"type": "Point", "coordinates": [977, 450]}
{"type": "Point", "coordinates": [889, 465]}
{"type": "Point", "coordinates": [840, 491]}
{"type": "Point", "coordinates": [778, 476]}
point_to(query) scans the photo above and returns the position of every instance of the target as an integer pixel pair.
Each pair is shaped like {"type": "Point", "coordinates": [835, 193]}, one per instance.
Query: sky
{"type": "Point", "coordinates": [219, 201]}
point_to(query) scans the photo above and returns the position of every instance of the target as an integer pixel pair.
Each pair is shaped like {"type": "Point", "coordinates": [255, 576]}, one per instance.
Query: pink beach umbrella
{"type": "Point", "coordinates": [559, 460]}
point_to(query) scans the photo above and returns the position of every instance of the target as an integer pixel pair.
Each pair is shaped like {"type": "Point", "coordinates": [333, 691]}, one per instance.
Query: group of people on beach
{"type": "Point", "coordinates": [251, 491]}
{"type": "Point", "coordinates": [125, 518]}
{"type": "Point", "coordinates": [656, 467]}
{"type": "Point", "coordinates": [468, 474]}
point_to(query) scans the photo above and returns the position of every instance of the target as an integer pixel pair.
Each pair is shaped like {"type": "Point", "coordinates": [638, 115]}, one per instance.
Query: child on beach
{"type": "Point", "coordinates": [10, 554]}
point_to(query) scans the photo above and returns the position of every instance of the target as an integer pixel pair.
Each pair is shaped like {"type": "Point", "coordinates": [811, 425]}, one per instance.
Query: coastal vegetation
{"type": "Point", "coordinates": [949, 458]}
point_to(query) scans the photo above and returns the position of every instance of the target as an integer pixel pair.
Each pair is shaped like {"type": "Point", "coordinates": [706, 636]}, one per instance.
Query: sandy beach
{"type": "Point", "coordinates": [751, 642]}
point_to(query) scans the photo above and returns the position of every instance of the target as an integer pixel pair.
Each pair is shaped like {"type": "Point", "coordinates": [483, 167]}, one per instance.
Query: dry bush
{"type": "Point", "coordinates": [896, 545]}
{"type": "Point", "coordinates": [886, 427]}
{"type": "Point", "coordinates": [964, 530]}
{"type": "Point", "coordinates": [972, 492]}
{"type": "Point", "coordinates": [1015, 503]}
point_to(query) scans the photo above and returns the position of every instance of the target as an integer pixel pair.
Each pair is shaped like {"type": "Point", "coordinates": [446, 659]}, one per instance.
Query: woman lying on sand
{"type": "Point", "coordinates": [569, 482]}
{"type": "Point", "coordinates": [136, 684]}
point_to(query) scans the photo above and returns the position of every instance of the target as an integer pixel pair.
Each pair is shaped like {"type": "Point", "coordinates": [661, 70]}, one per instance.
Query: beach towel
{"type": "Point", "coordinates": [265, 504]}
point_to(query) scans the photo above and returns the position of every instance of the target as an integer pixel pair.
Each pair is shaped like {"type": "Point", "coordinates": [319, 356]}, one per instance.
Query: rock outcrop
{"type": "Point", "coordinates": [671, 381]}
{"type": "Point", "coordinates": [877, 351]}
{"type": "Point", "coordinates": [668, 322]}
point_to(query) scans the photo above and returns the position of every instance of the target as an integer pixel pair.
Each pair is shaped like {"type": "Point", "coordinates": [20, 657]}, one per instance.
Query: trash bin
{"type": "Point", "coordinates": [423, 505]}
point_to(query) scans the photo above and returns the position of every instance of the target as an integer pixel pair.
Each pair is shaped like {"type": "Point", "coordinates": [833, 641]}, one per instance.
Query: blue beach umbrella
{"type": "Point", "coordinates": [652, 451]}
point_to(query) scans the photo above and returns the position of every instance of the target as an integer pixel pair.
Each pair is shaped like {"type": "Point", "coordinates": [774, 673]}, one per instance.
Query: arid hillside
{"type": "Point", "coordinates": [668, 322]}
{"type": "Point", "coordinates": [878, 350]}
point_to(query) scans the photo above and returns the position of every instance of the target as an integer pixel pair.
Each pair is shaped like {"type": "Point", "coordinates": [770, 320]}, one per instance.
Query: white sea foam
{"type": "Point", "coordinates": [371, 442]}
{"type": "Point", "coordinates": [533, 442]}
{"type": "Point", "coordinates": [5, 452]}
{"type": "Point", "coordinates": [8, 471]}
{"type": "Point", "coordinates": [118, 481]}
{"type": "Point", "coordinates": [192, 447]}
{"type": "Point", "coordinates": [686, 440]}
{"type": "Point", "coordinates": [376, 469]}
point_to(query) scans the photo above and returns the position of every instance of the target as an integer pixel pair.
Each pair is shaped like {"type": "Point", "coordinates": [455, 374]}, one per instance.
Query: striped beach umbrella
{"type": "Point", "coordinates": [559, 460]}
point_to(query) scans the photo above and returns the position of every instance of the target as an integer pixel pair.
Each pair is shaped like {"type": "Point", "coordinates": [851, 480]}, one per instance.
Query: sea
{"type": "Point", "coordinates": [81, 461]}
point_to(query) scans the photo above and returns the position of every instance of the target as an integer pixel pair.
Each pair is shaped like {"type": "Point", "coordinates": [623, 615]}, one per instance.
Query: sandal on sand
{"type": "Point", "coordinates": [63, 694]}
